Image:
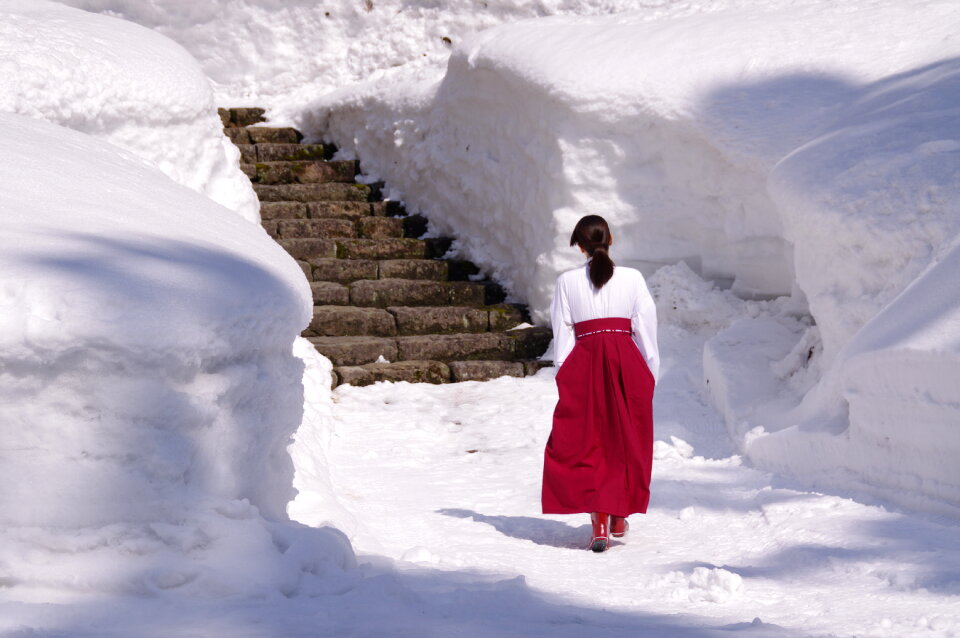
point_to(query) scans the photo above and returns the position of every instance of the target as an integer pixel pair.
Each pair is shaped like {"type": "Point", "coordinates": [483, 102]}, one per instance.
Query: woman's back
{"type": "Point", "coordinates": [625, 295]}
{"type": "Point", "coordinates": [618, 298]}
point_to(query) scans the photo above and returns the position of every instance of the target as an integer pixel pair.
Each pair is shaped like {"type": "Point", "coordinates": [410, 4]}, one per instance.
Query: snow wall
{"type": "Point", "coordinates": [279, 53]}
{"type": "Point", "coordinates": [150, 381]}
{"type": "Point", "coordinates": [775, 147]}
{"type": "Point", "coordinates": [121, 82]}
{"type": "Point", "coordinates": [148, 386]}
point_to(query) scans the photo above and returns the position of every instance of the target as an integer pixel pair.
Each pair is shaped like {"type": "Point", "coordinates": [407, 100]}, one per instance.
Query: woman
{"type": "Point", "coordinates": [600, 449]}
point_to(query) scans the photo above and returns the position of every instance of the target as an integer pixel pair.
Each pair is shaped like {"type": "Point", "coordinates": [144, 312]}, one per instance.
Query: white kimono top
{"type": "Point", "coordinates": [625, 295]}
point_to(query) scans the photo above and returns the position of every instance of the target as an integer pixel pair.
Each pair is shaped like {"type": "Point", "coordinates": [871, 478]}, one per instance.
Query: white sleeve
{"type": "Point", "coordinates": [644, 325]}
{"type": "Point", "coordinates": [563, 336]}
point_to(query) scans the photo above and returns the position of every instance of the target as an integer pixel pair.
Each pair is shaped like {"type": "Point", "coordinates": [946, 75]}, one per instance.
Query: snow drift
{"type": "Point", "coordinates": [129, 85]}
{"type": "Point", "coordinates": [148, 386]}
{"type": "Point", "coordinates": [775, 148]}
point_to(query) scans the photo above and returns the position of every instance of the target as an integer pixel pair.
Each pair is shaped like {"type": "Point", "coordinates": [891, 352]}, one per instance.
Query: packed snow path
{"type": "Point", "coordinates": [447, 478]}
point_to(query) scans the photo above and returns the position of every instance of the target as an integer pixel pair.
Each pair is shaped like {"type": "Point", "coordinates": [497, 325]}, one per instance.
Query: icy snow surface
{"type": "Point", "coordinates": [129, 85]}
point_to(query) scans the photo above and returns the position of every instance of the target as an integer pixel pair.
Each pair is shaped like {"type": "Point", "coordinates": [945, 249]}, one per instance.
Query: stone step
{"type": "Point", "coordinates": [329, 227]}
{"type": "Point", "coordinates": [312, 192]}
{"type": "Point", "coordinates": [380, 227]}
{"type": "Point", "coordinates": [310, 228]}
{"type": "Point", "coordinates": [529, 343]}
{"type": "Point", "coordinates": [456, 347]}
{"type": "Point", "coordinates": [303, 172]}
{"type": "Point", "coordinates": [241, 116]}
{"type": "Point", "coordinates": [320, 210]}
{"type": "Point", "coordinates": [266, 152]}
{"type": "Point", "coordinates": [484, 370]}
{"type": "Point", "coordinates": [392, 248]}
{"type": "Point", "coordinates": [433, 371]}
{"type": "Point", "coordinates": [346, 321]}
{"type": "Point", "coordinates": [329, 293]}
{"type": "Point", "coordinates": [410, 371]}
{"type": "Point", "coordinates": [344, 271]}
{"type": "Point", "coordinates": [432, 269]}
{"type": "Point", "coordinates": [263, 135]}
{"type": "Point", "coordinates": [348, 350]}
{"type": "Point", "coordinates": [307, 249]}
{"type": "Point", "coordinates": [434, 320]}
{"type": "Point", "coordinates": [341, 320]}
{"type": "Point", "coordinates": [415, 292]}
{"type": "Point", "coordinates": [356, 350]}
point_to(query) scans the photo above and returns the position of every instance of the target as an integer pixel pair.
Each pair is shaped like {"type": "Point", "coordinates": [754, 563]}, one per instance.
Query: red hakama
{"type": "Point", "coordinates": [600, 451]}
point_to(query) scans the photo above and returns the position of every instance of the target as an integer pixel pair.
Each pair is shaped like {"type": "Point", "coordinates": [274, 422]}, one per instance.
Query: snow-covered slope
{"type": "Point", "coordinates": [805, 148]}
{"type": "Point", "coordinates": [129, 85]}
{"type": "Point", "coordinates": [147, 385]}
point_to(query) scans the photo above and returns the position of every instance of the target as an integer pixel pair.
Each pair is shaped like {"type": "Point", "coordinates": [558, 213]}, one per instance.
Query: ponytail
{"type": "Point", "coordinates": [601, 267]}
{"type": "Point", "coordinates": [592, 234]}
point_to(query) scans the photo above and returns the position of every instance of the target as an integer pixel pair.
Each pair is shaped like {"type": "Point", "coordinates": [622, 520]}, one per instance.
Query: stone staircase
{"type": "Point", "coordinates": [388, 306]}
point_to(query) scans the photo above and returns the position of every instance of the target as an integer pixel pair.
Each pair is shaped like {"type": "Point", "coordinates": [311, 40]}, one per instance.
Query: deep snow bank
{"type": "Point", "coordinates": [129, 85]}
{"type": "Point", "coordinates": [281, 53]}
{"type": "Point", "coordinates": [147, 386]}
{"type": "Point", "coordinates": [776, 147]}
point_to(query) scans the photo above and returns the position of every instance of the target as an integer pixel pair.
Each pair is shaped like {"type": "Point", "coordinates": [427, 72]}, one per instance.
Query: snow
{"type": "Point", "coordinates": [440, 485]}
{"type": "Point", "coordinates": [781, 171]}
{"type": "Point", "coordinates": [725, 548]}
{"type": "Point", "coordinates": [148, 385]}
{"type": "Point", "coordinates": [770, 147]}
{"type": "Point", "coordinates": [281, 53]}
{"type": "Point", "coordinates": [121, 82]}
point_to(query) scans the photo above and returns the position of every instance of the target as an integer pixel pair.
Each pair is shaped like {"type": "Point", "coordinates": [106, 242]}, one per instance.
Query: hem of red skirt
{"type": "Point", "coordinates": [564, 510]}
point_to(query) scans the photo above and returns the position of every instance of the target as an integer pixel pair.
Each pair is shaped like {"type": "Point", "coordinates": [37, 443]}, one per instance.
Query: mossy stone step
{"type": "Point", "coordinates": [484, 370]}
{"type": "Point", "coordinates": [312, 192]}
{"type": "Point", "coordinates": [410, 371]}
{"type": "Point", "coordinates": [415, 292]}
{"type": "Point", "coordinates": [302, 172]}
{"type": "Point", "coordinates": [307, 249]}
{"type": "Point", "coordinates": [456, 347]}
{"type": "Point", "coordinates": [433, 269]}
{"type": "Point", "coordinates": [263, 135]}
{"type": "Point", "coordinates": [329, 293]}
{"type": "Point", "coordinates": [240, 116]}
{"type": "Point", "coordinates": [435, 320]}
{"type": "Point", "coordinates": [269, 152]}
{"type": "Point", "coordinates": [391, 248]}
{"type": "Point", "coordinates": [310, 228]}
{"type": "Point", "coordinates": [330, 227]}
{"type": "Point", "coordinates": [346, 321]}
{"type": "Point", "coordinates": [380, 227]}
{"type": "Point", "coordinates": [320, 210]}
{"type": "Point", "coordinates": [344, 271]}
{"type": "Point", "coordinates": [512, 345]}
{"type": "Point", "coordinates": [355, 350]}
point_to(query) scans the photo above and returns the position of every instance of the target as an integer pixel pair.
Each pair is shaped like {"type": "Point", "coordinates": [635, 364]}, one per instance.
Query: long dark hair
{"type": "Point", "coordinates": [593, 235]}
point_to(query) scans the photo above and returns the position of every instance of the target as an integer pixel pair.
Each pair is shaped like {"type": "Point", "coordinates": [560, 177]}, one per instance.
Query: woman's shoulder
{"type": "Point", "coordinates": [627, 273]}
{"type": "Point", "coordinates": [572, 273]}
